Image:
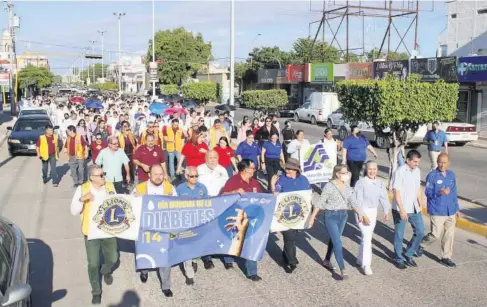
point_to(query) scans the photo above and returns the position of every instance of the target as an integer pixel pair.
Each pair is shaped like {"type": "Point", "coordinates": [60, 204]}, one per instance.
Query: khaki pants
{"type": "Point", "coordinates": [433, 155]}
{"type": "Point", "coordinates": [442, 227]}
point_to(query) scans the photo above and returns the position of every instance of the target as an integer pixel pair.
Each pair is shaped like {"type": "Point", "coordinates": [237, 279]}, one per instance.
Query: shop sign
{"type": "Point", "coordinates": [398, 69]}
{"type": "Point", "coordinates": [472, 69]}
{"type": "Point", "coordinates": [359, 71]}
{"type": "Point", "coordinates": [295, 73]}
{"type": "Point", "coordinates": [433, 69]}
{"type": "Point", "coordinates": [322, 72]}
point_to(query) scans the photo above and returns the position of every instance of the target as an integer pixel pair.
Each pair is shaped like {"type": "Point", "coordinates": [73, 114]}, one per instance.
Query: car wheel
{"type": "Point", "coordinates": [313, 120]}
{"type": "Point", "coordinates": [296, 117]}
{"type": "Point", "coordinates": [329, 123]}
{"type": "Point", "coordinates": [461, 143]}
{"type": "Point", "coordinates": [380, 141]}
{"type": "Point", "coordinates": [12, 154]}
{"type": "Point", "coordinates": [342, 133]}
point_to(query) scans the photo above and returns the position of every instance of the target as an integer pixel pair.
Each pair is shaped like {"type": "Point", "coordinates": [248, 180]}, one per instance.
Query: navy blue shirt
{"type": "Point", "coordinates": [199, 191]}
{"type": "Point", "coordinates": [443, 205]}
{"type": "Point", "coordinates": [247, 151]}
{"type": "Point", "coordinates": [435, 140]}
{"type": "Point", "coordinates": [272, 151]}
{"type": "Point", "coordinates": [356, 147]}
{"type": "Point", "coordinates": [286, 184]}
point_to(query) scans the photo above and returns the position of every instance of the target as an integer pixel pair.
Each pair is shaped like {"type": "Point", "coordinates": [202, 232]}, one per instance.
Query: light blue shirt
{"type": "Point", "coordinates": [372, 192]}
{"type": "Point", "coordinates": [112, 163]}
{"type": "Point", "coordinates": [408, 182]}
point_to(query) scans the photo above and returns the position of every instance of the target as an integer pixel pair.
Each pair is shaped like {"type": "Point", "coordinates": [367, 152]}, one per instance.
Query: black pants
{"type": "Point", "coordinates": [119, 188]}
{"type": "Point", "coordinates": [355, 168]}
{"type": "Point", "coordinates": [272, 166]}
{"type": "Point", "coordinates": [50, 162]}
{"type": "Point", "coordinates": [329, 252]}
{"type": "Point", "coordinates": [289, 249]}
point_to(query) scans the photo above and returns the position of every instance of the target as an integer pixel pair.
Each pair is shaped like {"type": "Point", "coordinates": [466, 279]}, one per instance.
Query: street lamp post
{"type": "Point", "coordinates": [93, 61]}
{"type": "Point", "coordinates": [119, 17]}
{"type": "Point", "coordinates": [232, 53]}
{"type": "Point", "coordinates": [102, 55]}
{"type": "Point", "coordinates": [153, 43]}
{"type": "Point", "coordinates": [252, 51]}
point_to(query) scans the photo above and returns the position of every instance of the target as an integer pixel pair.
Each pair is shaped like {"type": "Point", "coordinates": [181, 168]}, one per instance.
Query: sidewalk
{"type": "Point", "coordinates": [481, 143]}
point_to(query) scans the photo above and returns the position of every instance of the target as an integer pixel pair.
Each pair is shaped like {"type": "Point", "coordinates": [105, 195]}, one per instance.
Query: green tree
{"type": "Point", "coordinates": [265, 100]}
{"type": "Point", "coordinates": [181, 52]}
{"type": "Point", "coordinates": [201, 91]}
{"type": "Point", "coordinates": [35, 77]}
{"type": "Point", "coordinates": [392, 56]}
{"type": "Point", "coordinates": [88, 73]}
{"type": "Point", "coordinates": [269, 57]}
{"type": "Point", "coordinates": [303, 53]}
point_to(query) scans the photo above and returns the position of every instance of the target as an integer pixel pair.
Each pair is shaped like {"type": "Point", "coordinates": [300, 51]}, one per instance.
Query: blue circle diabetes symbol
{"type": "Point", "coordinates": [291, 211]}
{"type": "Point", "coordinates": [114, 215]}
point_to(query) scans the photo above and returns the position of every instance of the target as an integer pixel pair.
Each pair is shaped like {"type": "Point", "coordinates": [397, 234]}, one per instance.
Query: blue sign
{"type": "Point", "coordinates": [472, 69]}
{"type": "Point", "coordinates": [177, 229]}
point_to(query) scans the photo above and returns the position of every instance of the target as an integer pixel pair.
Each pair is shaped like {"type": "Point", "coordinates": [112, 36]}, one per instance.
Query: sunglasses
{"type": "Point", "coordinates": [101, 175]}
{"type": "Point", "coordinates": [193, 176]}
{"type": "Point", "coordinates": [268, 121]}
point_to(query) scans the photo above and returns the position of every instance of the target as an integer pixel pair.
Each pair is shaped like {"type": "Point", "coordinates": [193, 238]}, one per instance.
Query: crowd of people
{"type": "Point", "coordinates": [195, 153]}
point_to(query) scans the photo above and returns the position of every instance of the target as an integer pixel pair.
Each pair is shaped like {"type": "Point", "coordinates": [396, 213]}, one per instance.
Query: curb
{"type": "Point", "coordinates": [477, 145]}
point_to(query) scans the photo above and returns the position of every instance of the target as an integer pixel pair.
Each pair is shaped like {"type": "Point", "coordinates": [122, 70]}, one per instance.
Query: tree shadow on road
{"type": "Point", "coordinates": [41, 274]}
{"type": "Point", "coordinates": [129, 299]}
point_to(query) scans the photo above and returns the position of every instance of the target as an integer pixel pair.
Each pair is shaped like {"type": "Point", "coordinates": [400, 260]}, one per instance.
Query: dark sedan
{"type": "Point", "coordinates": [25, 132]}
{"type": "Point", "coordinates": [14, 266]}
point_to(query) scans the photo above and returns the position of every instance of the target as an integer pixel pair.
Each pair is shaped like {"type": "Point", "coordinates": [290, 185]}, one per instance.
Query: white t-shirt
{"type": "Point", "coordinates": [213, 179]}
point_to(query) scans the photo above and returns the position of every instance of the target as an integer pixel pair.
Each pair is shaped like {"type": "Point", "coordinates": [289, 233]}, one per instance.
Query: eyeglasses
{"type": "Point", "coordinates": [193, 176]}
{"type": "Point", "coordinates": [268, 121]}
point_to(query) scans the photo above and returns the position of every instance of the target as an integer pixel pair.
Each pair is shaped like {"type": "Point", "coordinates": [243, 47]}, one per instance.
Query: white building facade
{"type": "Point", "coordinates": [133, 74]}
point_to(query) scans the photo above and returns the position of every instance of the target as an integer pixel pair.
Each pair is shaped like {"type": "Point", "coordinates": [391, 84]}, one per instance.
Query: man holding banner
{"type": "Point", "coordinates": [291, 181]}
{"type": "Point", "coordinates": [157, 185]}
{"type": "Point", "coordinates": [95, 189]}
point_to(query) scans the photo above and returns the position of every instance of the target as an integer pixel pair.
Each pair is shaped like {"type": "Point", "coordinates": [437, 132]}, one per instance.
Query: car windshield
{"type": "Point", "coordinates": [27, 112]}
{"type": "Point", "coordinates": [31, 125]}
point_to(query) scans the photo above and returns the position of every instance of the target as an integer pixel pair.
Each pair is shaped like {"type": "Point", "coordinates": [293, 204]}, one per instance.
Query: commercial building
{"type": "Point", "coordinates": [134, 72]}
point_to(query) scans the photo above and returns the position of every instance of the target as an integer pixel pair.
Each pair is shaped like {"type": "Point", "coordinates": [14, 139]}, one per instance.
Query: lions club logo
{"type": "Point", "coordinates": [114, 215]}
{"type": "Point", "coordinates": [291, 210]}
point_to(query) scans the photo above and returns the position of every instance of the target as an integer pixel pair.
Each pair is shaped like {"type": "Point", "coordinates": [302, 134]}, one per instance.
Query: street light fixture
{"type": "Point", "coordinates": [251, 54]}
{"type": "Point", "coordinates": [92, 61]}
{"type": "Point", "coordinates": [119, 16]}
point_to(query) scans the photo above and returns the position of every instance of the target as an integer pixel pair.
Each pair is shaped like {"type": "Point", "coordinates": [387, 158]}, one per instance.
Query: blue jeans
{"type": "Point", "coordinates": [250, 266]}
{"type": "Point", "coordinates": [416, 221]}
{"type": "Point", "coordinates": [50, 162]}
{"type": "Point", "coordinates": [171, 156]}
{"type": "Point", "coordinates": [335, 221]}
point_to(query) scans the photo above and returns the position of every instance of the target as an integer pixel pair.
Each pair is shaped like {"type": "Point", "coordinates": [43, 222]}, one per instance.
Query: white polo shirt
{"type": "Point", "coordinates": [213, 179]}
{"type": "Point", "coordinates": [408, 182]}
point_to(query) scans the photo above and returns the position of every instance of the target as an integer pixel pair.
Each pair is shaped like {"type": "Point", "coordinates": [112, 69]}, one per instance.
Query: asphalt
{"type": "Point", "coordinates": [59, 277]}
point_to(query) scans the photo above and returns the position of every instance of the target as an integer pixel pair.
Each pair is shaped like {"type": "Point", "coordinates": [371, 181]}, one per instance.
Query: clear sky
{"type": "Point", "coordinates": [73, 24]}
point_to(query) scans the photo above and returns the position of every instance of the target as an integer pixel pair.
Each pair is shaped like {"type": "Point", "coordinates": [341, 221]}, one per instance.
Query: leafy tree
{"type": "Point", "coordinates": [265, 100]}
{"type": "Point", "coordinates": [88, 73]}
{"type": "Point", "coordinates": [169, 89]}
{"type": "Point", "coordinates": [35, 77]}
{"type": "Point", "coordinates": [322, 52]}
{"type": "Point", "coordinates": [105, 86]}
{"type": "Point", "coordinates": [201, 91]}
{"type": "Point", "coordinates": [392, 56]}
{"type": "Point", "coordinates": [269, 57]}
{"type": "Point", "coordinates": [181, 53]}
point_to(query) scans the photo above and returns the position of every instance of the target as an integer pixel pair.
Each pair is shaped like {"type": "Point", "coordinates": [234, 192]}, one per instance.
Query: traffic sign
{"type": "Point", "coordinates": [153, 71]}
{"type": "Point", "coordinates": [4, 78]}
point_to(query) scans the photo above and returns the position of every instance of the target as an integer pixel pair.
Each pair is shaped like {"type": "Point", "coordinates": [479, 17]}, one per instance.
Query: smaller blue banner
{"type": "Point", "coordinates": [472, 69]}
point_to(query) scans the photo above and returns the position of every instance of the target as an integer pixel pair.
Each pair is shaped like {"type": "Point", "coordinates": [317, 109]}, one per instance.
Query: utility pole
{"type": "Point", "coordinates": [232, 54]}
{"type": "Point", "coordinates": [102, 55]}
{"type": "Point", "coordinates": [154, 44]}
{"type": "Point", "coordinates": [93, 61]}
{"type": "Point", "coordinates": [12, 20]}
{"type": "Point", "coordinates": [119, 16]}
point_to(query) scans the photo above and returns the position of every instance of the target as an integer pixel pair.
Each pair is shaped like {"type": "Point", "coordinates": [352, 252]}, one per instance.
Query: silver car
{"type": "Point", "coordinates": [14, 266]}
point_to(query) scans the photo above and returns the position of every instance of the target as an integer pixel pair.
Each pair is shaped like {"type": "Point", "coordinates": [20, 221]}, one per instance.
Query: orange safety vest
{"type": "Point", "coordinates": [85, 213]}
{"type": "Point", "coordinates": [44, 148]}
{"type": "Point", "coordinates": [213, 140]}
{"type": "Point", "coordinates": [157, 138]}
{"type": "Point", "coordinates": [141, 188]}
{"type": "Point", "coordinates": [121, 140]}
{"type": "Point", "coordinates": [79, 149]}
{"type": "Point", "coordinates": [177, 140]}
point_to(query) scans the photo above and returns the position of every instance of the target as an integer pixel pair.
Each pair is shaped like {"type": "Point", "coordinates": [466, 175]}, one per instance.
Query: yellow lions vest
{"type": "Point", "coordinates": [176, 138]}
{"type": "Point", "coordinates": [79, 149]}
{"type": "Point", "coordinates": [142, 188]}
{"type": "Point", "coordinates": [44, 148]}
{"type": "Point", "coordinates": [85, 213]}
{"type": "Point", "coordinates": [213, 140]}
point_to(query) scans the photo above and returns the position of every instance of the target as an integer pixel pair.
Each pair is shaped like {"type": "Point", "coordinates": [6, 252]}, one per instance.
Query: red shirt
{"type": "Point", "coordinates": [72, 145]}
{"type": "Point", "coordinates": [51, 149]}
{"type": "Point", "coordinates": [148, 157]}
{"type": "Point", "coordinates": [254, 131]}
{"type": "Point", "coordinates": [96, 148]}
{"type": "Point", "coordinates": [236, 182]}
{"type": "Point", "coordinates": [224, 155]}
{"type": "Point", "coordinates": [193, 155]}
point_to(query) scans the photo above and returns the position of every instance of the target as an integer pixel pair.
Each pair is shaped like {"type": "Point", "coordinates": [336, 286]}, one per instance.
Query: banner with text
{"type": "Point", "coordinates": [115, 216]}
{"type": "Point", "coordinates": [318, 161]}
{"type": "Point", "coordinates": [176, 229]}
{"type": "Point", "coordinates": [292, 210]}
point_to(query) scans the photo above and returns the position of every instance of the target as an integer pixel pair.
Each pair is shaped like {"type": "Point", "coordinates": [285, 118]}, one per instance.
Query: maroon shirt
{"type": "Point", "coordinates": [96, 148]}
{"type": "Point", "coordinates": [149, 157]}
{"type": "Point", "coordinates": [51, 149]}
{"type": "Point", "coordinates": [72, 145]}
{"type": "Point", "coordinates": [236, 182]}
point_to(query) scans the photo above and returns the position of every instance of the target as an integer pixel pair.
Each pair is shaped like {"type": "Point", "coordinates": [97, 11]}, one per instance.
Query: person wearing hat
{"type": "Point", "coordinates": [291, 181]}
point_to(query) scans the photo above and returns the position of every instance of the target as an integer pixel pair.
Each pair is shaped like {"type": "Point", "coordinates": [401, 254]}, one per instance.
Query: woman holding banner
{"type": "Point", "coordinates": [299, 143]}
{"type": "Point", "coordinates": [291, 181]}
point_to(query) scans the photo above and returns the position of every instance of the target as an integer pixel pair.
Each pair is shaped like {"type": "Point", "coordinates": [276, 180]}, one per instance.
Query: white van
{"type": "Point", "coordinates": [317, 107]}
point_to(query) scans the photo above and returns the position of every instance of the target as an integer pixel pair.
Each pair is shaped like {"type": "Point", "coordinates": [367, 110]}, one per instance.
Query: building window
{"type": "Point", "coordinates": [443, 50]}
{"type": "Point", "coordinates": [482, 11]}
{"type": "Point", "coordinates": [453, 16]}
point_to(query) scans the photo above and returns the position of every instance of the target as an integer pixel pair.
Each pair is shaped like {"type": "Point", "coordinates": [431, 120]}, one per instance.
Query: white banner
{"type": "Point", "coordinates": [115, 216]}
{"type": "Point", "coordinates": [292, 211]}
{"type": "Point", "coordinates": [317, 161]}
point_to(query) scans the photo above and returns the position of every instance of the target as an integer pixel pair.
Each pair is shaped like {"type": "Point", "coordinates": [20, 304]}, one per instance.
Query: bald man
{"type": "Point", "coordinates": [441, 191]}
{"type": "Point", "coordinates": [212, 174]}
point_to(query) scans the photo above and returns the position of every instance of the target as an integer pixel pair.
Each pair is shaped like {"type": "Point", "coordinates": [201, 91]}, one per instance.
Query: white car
{"type": "Point", "coordinates": [335, 119]}
{"type": "Point", "coordinates": [459, 133]}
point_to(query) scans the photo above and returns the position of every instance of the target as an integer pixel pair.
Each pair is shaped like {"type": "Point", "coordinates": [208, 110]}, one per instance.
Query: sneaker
{"type": "Point", "coordinates": [327, 264]}
{"type": "Point", "coordinates": [401, 265]}
{"type": "Point", "coordinates": [419, 252]}
{"type": "Point", "coordinates": [108, 278]}
{"type": "Point", "coordinates": [189, 281]}
{"type": "Point", "coordinates": [96, 300]}
{"type": "Point", "coordinates": [367, 270]}
{"type": "Point", "coordinates": [55, 185]}
{"type": "Point", "coordinates": [344, 274]}
{"type": "Point", "coordinates": [448, 263]}
{"type": "Point", "coordinates": [410, 261]}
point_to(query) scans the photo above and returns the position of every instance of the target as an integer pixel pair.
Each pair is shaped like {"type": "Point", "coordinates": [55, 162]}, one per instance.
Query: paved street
{"type": "Point", "coordinates": [468, 162]}
{"type": "Point", "coordinates": [59, 277]}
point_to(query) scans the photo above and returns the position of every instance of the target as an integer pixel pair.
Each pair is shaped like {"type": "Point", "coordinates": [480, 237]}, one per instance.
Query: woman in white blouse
{"type": "Point", "coordinates": [299, 143]}
{"type": "Point", "coordinates": [370, 192]}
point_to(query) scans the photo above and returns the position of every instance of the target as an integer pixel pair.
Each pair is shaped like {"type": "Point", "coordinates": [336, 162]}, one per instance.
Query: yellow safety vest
{"type": "Point", "coordinates": [157, 138]}
{"type": "Point", "coordinates": [213, 140]}
{"type": "Point", "coordinates": [44, 148]}
{"type": "Point", "coordinates": [121, 140]}
{"type": "Point", "coordinates": [176, 138]}
{"type": "Point", "coordinates": [142, 188]}
{"type": "Point", "coordinates": [85, 213]}
{"type": "Point", "coordinates": [79, 149]}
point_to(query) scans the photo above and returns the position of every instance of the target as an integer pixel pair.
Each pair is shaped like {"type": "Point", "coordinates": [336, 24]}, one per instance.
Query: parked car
{"type": "Point", "coordinates": [317, 107]}
{"type": "Point", "coordinates": [14, 266]}
{"type": "Point", "coordinates": [459, 133]}
{"type": "Point", "coordinates": [335, 119]}
{"type": "Point", "coordinates": [25, 133]}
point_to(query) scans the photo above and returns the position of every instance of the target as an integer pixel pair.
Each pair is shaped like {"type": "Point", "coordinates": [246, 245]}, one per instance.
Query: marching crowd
{"type": "Point", "coordinates": [198, 154]}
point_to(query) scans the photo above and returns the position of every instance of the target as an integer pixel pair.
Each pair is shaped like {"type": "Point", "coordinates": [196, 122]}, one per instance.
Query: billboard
{"type": "Point", "coordinates": [433, 69]}
{"type": "Point", "coordinates": [359, 71]}
{"type": "Point", "coordinates": [4, 78]}
{"type": "Point", "coordinates": [472, 69]}
{"type": "Point", "coordinates": [398, 69]}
